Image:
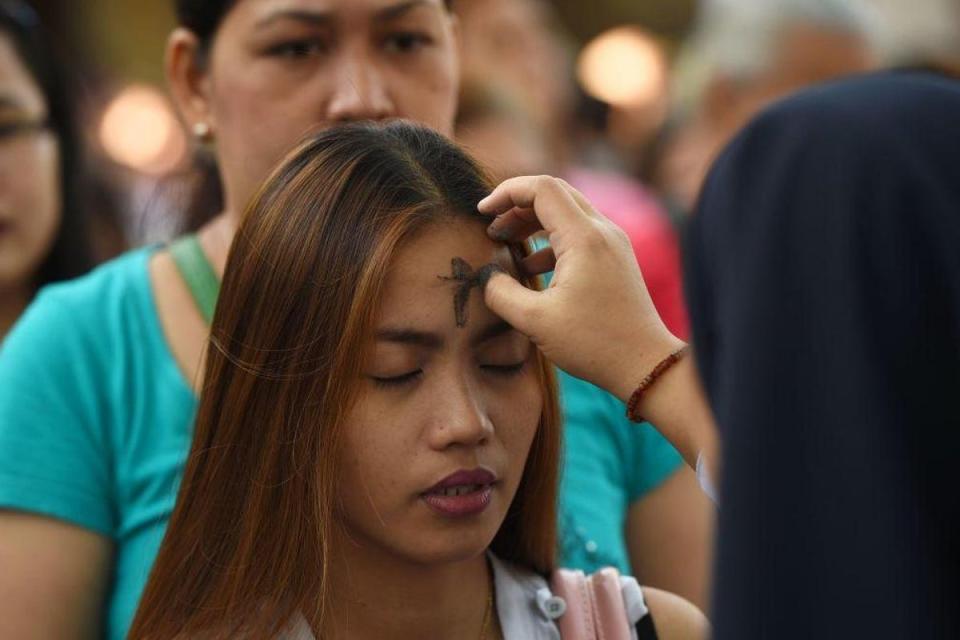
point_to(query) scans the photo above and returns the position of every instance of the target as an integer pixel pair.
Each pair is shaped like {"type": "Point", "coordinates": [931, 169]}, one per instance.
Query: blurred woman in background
{"type": "Point", "coordinates": [43, 235]}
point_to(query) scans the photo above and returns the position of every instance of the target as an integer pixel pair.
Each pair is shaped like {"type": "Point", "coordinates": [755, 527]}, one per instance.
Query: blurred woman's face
{"type": "Point", "coordinates": [30, 198]}
{"type": "Point", "coordinates": [436, 445]}
{"type": "Point", "coordinates": [280, 68]}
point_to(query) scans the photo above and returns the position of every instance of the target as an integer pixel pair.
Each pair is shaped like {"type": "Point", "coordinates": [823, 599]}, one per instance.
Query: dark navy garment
{"type": "Point", "coordinates": [823, 280]}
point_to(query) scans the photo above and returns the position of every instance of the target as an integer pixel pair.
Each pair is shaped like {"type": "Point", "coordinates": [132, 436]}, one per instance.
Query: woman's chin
{"type": "Point", "coordinates": [446, 547]}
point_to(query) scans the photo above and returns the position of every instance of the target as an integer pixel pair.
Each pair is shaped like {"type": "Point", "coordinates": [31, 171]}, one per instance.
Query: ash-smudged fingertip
{"type": "Point", "coordinates": [484, 274]}
{"type": "Point", "coordinates": [498, 234]}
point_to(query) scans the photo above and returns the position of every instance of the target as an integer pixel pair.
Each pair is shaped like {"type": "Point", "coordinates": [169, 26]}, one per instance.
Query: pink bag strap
{"type": "Point", "coordinates": [594, 605]}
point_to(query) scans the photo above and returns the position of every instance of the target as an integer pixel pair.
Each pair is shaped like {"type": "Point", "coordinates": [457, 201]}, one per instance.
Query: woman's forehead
{"type": "Point", "coordinates": [436, 249]}
{"type": "Point", "coordinates": [442, 262]}
{"type": "Point", "coordinates": [261, 10]}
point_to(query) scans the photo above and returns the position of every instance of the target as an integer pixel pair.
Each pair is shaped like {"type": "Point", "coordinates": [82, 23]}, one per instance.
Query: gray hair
{"type": "Point", "coordinates": [919, 30]}
{"type": "Point", "coordinates": [739, 38]}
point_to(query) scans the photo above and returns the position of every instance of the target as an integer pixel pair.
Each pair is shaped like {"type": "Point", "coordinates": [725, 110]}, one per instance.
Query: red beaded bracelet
{"type": "Point", "coordinates": [658, 371]}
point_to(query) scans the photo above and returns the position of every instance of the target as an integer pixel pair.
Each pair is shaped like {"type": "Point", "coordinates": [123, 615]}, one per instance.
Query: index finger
{"type": "Point", "coordinates": [546, 196]}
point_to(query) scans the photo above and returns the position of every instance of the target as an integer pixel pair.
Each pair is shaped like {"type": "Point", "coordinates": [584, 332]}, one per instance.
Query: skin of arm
{"type": "Point", "coordinates": [669, 533]}
{"type": "Point", "coordinates": [676, 404]}
{"type": "Point", "coordinates": [54, 579]}
{"type": "Point", "coordinates": [674, 617]}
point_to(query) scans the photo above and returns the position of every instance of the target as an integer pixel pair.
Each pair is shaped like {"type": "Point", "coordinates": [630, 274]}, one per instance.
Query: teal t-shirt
{"type": "Point", "coordinates": [96, 420]}
{"type": "Point", "coordinates": [609, 463]}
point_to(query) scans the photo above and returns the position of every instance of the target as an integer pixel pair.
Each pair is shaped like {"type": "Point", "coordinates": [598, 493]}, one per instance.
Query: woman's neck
{"type": "Point", "coordinates": [215, 238]}
{"type": "Point", "coordinates": [375, 594]}
{"type": "Point", "coordinates": [12, 303]}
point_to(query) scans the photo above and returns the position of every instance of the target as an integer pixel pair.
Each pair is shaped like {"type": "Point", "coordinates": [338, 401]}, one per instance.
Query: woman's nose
{"type": "Point", "coordinates": [359, 91]}
{"type": "Point", "coordinates": [460, 419]}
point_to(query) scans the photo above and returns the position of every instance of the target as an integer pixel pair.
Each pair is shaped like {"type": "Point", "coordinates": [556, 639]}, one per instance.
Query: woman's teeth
{"type": "Point", "coordinates": [460, 490]}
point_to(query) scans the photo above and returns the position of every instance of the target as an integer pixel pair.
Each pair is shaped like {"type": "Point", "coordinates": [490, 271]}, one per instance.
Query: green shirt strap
{"type": "Point", "coordinates": [197, 273]}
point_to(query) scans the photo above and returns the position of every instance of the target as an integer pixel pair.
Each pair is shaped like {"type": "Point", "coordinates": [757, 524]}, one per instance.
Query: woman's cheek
{"type": "Point", "coordinates": [39, 202]}
{"type": "Point", "coordinates": [519, 414]}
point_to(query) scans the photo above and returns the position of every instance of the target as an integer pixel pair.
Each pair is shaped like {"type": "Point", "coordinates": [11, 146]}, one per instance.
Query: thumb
{"type": "Point", "coordinates": [511, 301]}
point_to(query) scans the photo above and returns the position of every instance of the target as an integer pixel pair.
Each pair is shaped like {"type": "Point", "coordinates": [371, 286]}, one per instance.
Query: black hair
{"type": "Point", "coordinates": [202, 17]}
{"type": "Point", "coordinates": [71, 253]}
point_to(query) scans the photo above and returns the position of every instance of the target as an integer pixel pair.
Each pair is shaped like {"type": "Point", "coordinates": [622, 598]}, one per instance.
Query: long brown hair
{"type": "Point", "coordinates": [247, 544]}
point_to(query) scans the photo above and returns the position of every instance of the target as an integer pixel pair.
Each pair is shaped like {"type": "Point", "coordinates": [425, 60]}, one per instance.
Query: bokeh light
{"type": "Point", "coordinates": [139, 130]}
{"type": "Point", "coordinates": [624, 67]}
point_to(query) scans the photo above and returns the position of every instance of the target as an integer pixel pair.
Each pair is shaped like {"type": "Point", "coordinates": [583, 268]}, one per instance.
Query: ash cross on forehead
{"type": "Point", "coordinates": [467, 279]}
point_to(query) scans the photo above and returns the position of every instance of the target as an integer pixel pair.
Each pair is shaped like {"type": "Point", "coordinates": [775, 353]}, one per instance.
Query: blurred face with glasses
{"type": "Point", "coordinates": [29, 175]}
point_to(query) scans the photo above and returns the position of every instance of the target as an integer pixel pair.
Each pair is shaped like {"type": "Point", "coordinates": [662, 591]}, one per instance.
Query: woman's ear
{"type": "Point", "coordinates": [189, 79]}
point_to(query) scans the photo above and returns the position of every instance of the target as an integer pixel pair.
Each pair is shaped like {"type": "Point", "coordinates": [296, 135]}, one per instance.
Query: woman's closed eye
{"type": "Point", "coordinates": [410, 377]}
{"type": "Point", "coordinates": [504, 356]}
{"type": "Point", "coordinates": [505, 370]}
{"type": "Point", "coordinates": [398, 380]}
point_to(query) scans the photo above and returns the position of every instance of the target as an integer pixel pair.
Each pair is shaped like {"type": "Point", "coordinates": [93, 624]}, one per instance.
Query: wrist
{"type": "Point", "coordinates": [635, 368]}
{"type": "Point", "coordinates": [633, 411]}
{"type": "Point", "coordinates": [677, 407]}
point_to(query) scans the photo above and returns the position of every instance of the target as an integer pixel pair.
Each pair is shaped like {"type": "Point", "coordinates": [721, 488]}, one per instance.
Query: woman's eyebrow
{"type": "Point", "coordinates": [321, 18]}
{"type": "Point", "coordinates": [434, 341]}
{"type": "Point", "coordinates": [495, 330]}
{"type": "Point", "coordinates": [315, 18]}
{"type": "Point", "coordinates": [411, 337]}
{"type": "Point", "coordinates": [395, 11]}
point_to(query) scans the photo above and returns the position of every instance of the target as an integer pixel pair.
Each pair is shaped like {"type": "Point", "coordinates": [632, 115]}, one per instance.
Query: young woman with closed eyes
{"type": "Point", "coordinates": [376, 453]}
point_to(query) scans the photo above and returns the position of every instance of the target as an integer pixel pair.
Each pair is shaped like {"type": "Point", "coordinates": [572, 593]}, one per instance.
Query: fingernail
{"type": "Point", "coordinates": [482, 203]}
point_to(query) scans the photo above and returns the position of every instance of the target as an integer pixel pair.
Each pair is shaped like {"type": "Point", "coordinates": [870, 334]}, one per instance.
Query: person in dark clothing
{"type": "Point", "coordinates": [824, 285]}
{"type": "Point", "coordinates": [823, 279]}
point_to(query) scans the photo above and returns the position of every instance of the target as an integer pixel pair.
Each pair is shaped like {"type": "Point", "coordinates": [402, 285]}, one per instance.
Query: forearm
{"type": "Point", "coordinates": [669, 533]}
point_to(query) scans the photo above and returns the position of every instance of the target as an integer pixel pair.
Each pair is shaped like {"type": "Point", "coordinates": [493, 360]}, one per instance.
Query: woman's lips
{"type": "Point", "coordinates": [464, 493]}
{"type": "Point", "coordinates": [466, 501]}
